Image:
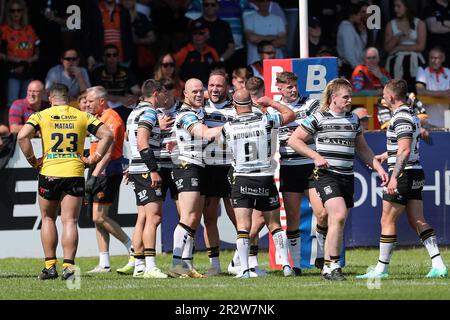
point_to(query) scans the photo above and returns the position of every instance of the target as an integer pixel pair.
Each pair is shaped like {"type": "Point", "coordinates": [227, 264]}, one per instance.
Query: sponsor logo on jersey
{"type": "Point", "coordinates": [273, 200]}
{"type": "Point", "coordinates": [258, 191]}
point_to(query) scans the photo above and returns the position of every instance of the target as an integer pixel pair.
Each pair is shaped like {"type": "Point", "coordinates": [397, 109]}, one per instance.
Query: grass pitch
{"type": "Point", "coordinates": [18, 280]}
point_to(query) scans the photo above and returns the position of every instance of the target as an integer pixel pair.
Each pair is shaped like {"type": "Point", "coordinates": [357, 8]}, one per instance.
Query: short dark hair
{"type": "Point", "coordinates": [219, 72]}
{"type": "Point", "coordinates": [63, 52]}
{"type": "Point", "coordinates": [60, 91]}
{"type": "Point", "coordinates": [111, 46]}
{"type": "Point", "coordinates": [286, 76]}
{"type": "Point", "coordinates": [438, 48]}
{"type": "Point", "coordinates": [399, 88]}
{"type": "Point", "coordinates": [150, 86]}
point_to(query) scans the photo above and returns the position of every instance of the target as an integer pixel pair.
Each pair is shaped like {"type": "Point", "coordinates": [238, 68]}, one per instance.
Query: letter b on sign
{"type": "Point", "coordinates": [315, 80]}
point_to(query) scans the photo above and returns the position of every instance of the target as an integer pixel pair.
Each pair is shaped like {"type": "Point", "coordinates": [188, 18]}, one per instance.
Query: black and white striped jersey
{"type": "Point", "coordinates": [190, 148]}
{"type": "Point", "coordinates": [335, 136]}
{"type": "Point", "coordinates": [250, 141]}
{"type": "Point", "coordinates": [167, 135]}
{"type": "Point", "coordinates": [403, 124]}
{"type": "Point", "coordinates": [216, 115]}
{"type": "Point", "coordinates": [144, 115]}
{"type": "Point", "coordinates": [302, 108]}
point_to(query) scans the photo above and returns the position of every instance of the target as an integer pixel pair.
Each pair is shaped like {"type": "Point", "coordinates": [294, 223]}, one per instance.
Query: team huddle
{"type": "Point", "coordinates": [223, 148]}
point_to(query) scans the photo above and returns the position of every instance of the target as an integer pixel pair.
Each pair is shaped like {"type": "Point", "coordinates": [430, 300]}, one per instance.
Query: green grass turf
{"type": "Point", "coordinates": [18, 280]}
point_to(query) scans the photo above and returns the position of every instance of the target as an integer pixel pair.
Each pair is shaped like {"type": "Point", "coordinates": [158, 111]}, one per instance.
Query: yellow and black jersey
{"type": "Point", "coordinates": [63, 130]}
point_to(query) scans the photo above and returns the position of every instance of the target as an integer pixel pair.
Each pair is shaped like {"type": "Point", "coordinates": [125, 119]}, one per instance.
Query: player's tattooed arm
{"type": "Point", "coordinates": [403, 152]}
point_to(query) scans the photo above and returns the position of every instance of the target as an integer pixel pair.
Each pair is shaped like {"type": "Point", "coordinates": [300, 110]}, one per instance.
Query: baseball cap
{"type": "Point", "coordinates": [198, 25]}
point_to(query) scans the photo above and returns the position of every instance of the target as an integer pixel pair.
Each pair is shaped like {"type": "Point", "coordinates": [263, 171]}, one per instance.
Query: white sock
{"type": "Point", "coordinates": [213, 254]}
{"type": "Point", "coordinates": [236, 260]}
{"type": "Point", "coordinates": [387, 245]}
{"type": "Point", "coordinates": [214, 263]}
{"type": "Point", "coordinates": [293, 238]}
{"type": "Point", "coordinates": [131, 258]}
{"type": "Point", "coordinates": [180, 237]}
{"type": "Point", "coordinates": [428, 238]}
{"type": "Point", "coordinates": [104, 259]}
{"type": "Point", "coordinates": [253, 257]}
{"type": "Point", "coordinates": [128, 245]}
{"type": "Point", "coordinates": [188, 259]}
{"type": "Point", "coordinates": [242, 245]}
{"type": "Point", "coordinates": [149, 259]}
{"type": "Point", "coordinates": [335, 264]}
{"type": "Point", "coordinates": [139, 261]}
{"type": "Point", "coordinates": [321, 234]}
{"type": "Point", "coordinates": [280, 240]}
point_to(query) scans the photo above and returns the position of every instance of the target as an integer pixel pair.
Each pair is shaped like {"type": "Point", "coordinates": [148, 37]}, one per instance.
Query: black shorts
{"type": "Point", "coordinates": [333, 185]}
{"type": "Point", "coordinates": [106, 189]}
{"type": "Point", "coordinates": [409, 186]}
{"type": "Point", "coordinates": [258, 193]}
{"type": "Point", "coordinates": [296, 178]}
{"type": "Point", "coordinates": [168, 183]}
{"type": "Point", "coordinates": [217, 183]}
{"type": "Point", "coordinates": [189, 177]}
{"type": "Point", "coordinates": [141, 186]}
{"type": "Point", "coordinates": [52, 188]}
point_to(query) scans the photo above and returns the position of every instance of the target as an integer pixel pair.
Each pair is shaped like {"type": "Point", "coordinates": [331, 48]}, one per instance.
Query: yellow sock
{"type": "Point", "coordinates": [50, 262]}
{"type": "Point", "coordinates": [67, 263]}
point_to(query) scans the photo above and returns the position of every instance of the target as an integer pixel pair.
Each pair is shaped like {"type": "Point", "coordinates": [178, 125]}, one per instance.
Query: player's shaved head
{"type": "Point", "coordinates": [193, 93]}
{"type": "Point", "coordinates": [242, 100]}
{"type": "Point", "coordinates": [192, 83]}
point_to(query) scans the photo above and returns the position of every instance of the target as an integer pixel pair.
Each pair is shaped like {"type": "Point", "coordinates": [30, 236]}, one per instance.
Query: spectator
{"type": "Point", "coordinates": [220, 36]}
{"type": "Point", "coordinates": [170, 24]}
{"type": "Point", "coordinates": [109, 23]}
{"type": "Point", "coordinates": [143, 37]}
{"type": "Point", "coordinates": [239, 78]}
{"type": "Point", "coordinates": [369, 78]}
{"type": "Point", "coordinates": [352, 38]}
{"type": "Point", "coordinates": [22, 109]}
{"type": "Point", "coordinates": [119, 82]}
{"type": "Point", "coordinates": [261, 25]}
{"type": "Point", "coordinates": [315, 36]}
{"type": "Point", "coordinates": [197, 59]}
{"type": "Point", "coordinates": [166, 68]}
{"type": "Point", "coordinates": [437, 19]}
{"type": "Point", "coordinates": [232, 11]}
{"type": "Point", "coordinates": [434, 81]}
{"type": "Point", "coordinates": [82, 101]}
{"type": "Point", "coordinates": [266, 50]}
{"type": "Point", "coordinates": [117, 79]}
{"type": "Point", "coordinates": [69, 73]}
{"type": "Point", "coordinates": [20, 41]}
{"type": "Point", "coordinates": [404, 41]}
{"type": "Point", "coordinates": [363, 117]}
{"type": "Point", "coordinates": [274, 8]}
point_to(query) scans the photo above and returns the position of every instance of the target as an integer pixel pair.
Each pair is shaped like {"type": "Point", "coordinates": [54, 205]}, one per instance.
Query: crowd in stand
{"type": "Point", "coordinates": [121, 43]}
